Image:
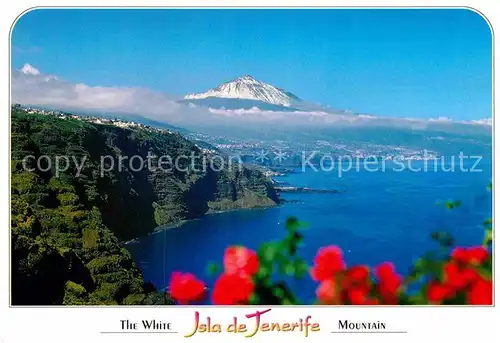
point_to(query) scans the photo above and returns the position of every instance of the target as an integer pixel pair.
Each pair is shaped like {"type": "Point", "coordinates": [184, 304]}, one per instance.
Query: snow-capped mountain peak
{"type": "Point", "coordinates": [247, 87]}
{"type": "Point", "coordinates": [28, 69]}
{"type": "Point", "coordinates": [248, 78]}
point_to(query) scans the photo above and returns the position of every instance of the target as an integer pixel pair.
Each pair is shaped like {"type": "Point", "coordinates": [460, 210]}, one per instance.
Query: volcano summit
{"type": "Point", "coordinates": [247, 87]}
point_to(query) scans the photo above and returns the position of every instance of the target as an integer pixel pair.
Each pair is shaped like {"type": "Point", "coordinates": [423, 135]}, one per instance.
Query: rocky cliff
{"type": "Point", "coordinates": [83, 189]}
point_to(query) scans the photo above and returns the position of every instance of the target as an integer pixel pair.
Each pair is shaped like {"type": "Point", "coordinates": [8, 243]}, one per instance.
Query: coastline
{"type": "Point", "coordinates": [279, 186]}
{"type": "Point", "coordinates": [181, 222]}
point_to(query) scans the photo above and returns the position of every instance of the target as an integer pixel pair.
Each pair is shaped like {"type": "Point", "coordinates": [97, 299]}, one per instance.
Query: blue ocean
{"type": "Point", "coordinates": [378, 216]}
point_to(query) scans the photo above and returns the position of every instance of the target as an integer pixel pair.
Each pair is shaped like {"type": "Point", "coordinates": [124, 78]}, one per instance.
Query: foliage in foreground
{"type": "Point", "coordinates": [460, 275]}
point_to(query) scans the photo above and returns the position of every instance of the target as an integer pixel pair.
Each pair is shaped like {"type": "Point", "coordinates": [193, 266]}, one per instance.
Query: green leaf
{"type": "Point", "coordinates": [254, 299]}
{"type": "Point", "coordinates": [418, 299]}
{"type": "Point", "coordinates": [289, 269]}
{"type": "Point", "coordinates": [450, 204]}
{"type": "Point", "coordinates": [427, 265]}
{"type": "Point", "coordinates": [264, 273]}
{"type": "Point", "coordinates": [304, 225]}
{"type": "Point", "coordinates": [297, 237]}
{"type": "Point", "coordinates": [486, 273]}
{"type": "Point", "coordinates": [444, 239]}
{"type": "Point", "coordinates": [268, 252]}
{"type": "Point", "coordinates": [301, 268]}
{"type": "Point", "coordinates": [488, 237]}
{"type": "Point", "coordinates": [278, 293]}
{"type": "Point", "coordinates": [213, 268]}
{"type": "Point", "coordinates": [292, 224]}
{"type": "Point", "coordinates": [487, 222]}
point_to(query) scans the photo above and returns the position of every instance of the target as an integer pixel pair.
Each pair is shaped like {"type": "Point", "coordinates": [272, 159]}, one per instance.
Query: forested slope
{"type": "Point", "coordinates": [66, 228]}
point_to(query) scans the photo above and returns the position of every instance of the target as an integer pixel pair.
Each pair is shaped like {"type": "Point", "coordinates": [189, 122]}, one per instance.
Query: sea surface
{"type": "Point", "coordinates": [381, 216]}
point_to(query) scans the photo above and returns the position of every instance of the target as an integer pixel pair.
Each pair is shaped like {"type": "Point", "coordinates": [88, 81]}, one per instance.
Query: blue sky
{"type": "Point", "coordinates": [401, 63]}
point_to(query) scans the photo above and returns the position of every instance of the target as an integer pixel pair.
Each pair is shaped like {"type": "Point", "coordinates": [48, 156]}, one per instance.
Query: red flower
{"type": "Point", "coordinates": [327, 292]}
{"type": "Point", "coordinates": [185, 288]}
{"type": "Point", "coordinates": [359, 274]}
{"type": "Point", "coordinates": [327, 262]}
{"type": "Point", "coordinates": [359, 296]}
{"type": "Point", "coordinates": [475, 255]}
{"type": "Point", "coordinates": [389, 282]}
{"type": "Point", "coordinates": [358, 277]}
{"type": "Point", "coordinates": [239, 259]}
{"type": "Point", "coordinates": [481, 292]}
{"type": "Point", "coordinates": [232, 289]}
{"type": "Point", "coordinates": [438, 292]}
{"type": "Point", "coordinates": [459, 254]}
{"type": "Point", "coordinates": [384, 270]}
{"type": "Point", "coordinates": [457, 277]}
{"type": "Point", "coordinates": [371, 301]}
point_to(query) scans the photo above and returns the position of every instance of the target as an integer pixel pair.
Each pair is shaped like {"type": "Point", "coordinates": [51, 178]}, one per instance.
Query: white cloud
{"type": "Point", "coordinates": [28, 69]}
{"type": "Point", "coordinates": [440, 120]}
{"type": "Point", "coordinates": [484, 121]}
{"type": "Point", "coordinates": [367, 116]}
{"type": "Point", "coordinates": [266, 113]}
{"type": "Point", "coordinates": [31, 87]}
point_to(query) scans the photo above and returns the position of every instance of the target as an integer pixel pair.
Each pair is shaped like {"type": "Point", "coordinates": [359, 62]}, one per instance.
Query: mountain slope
{"type": "Point", "coordinates": [247, 87]}
{"type": "Point", "coordinates": [66, 228]}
